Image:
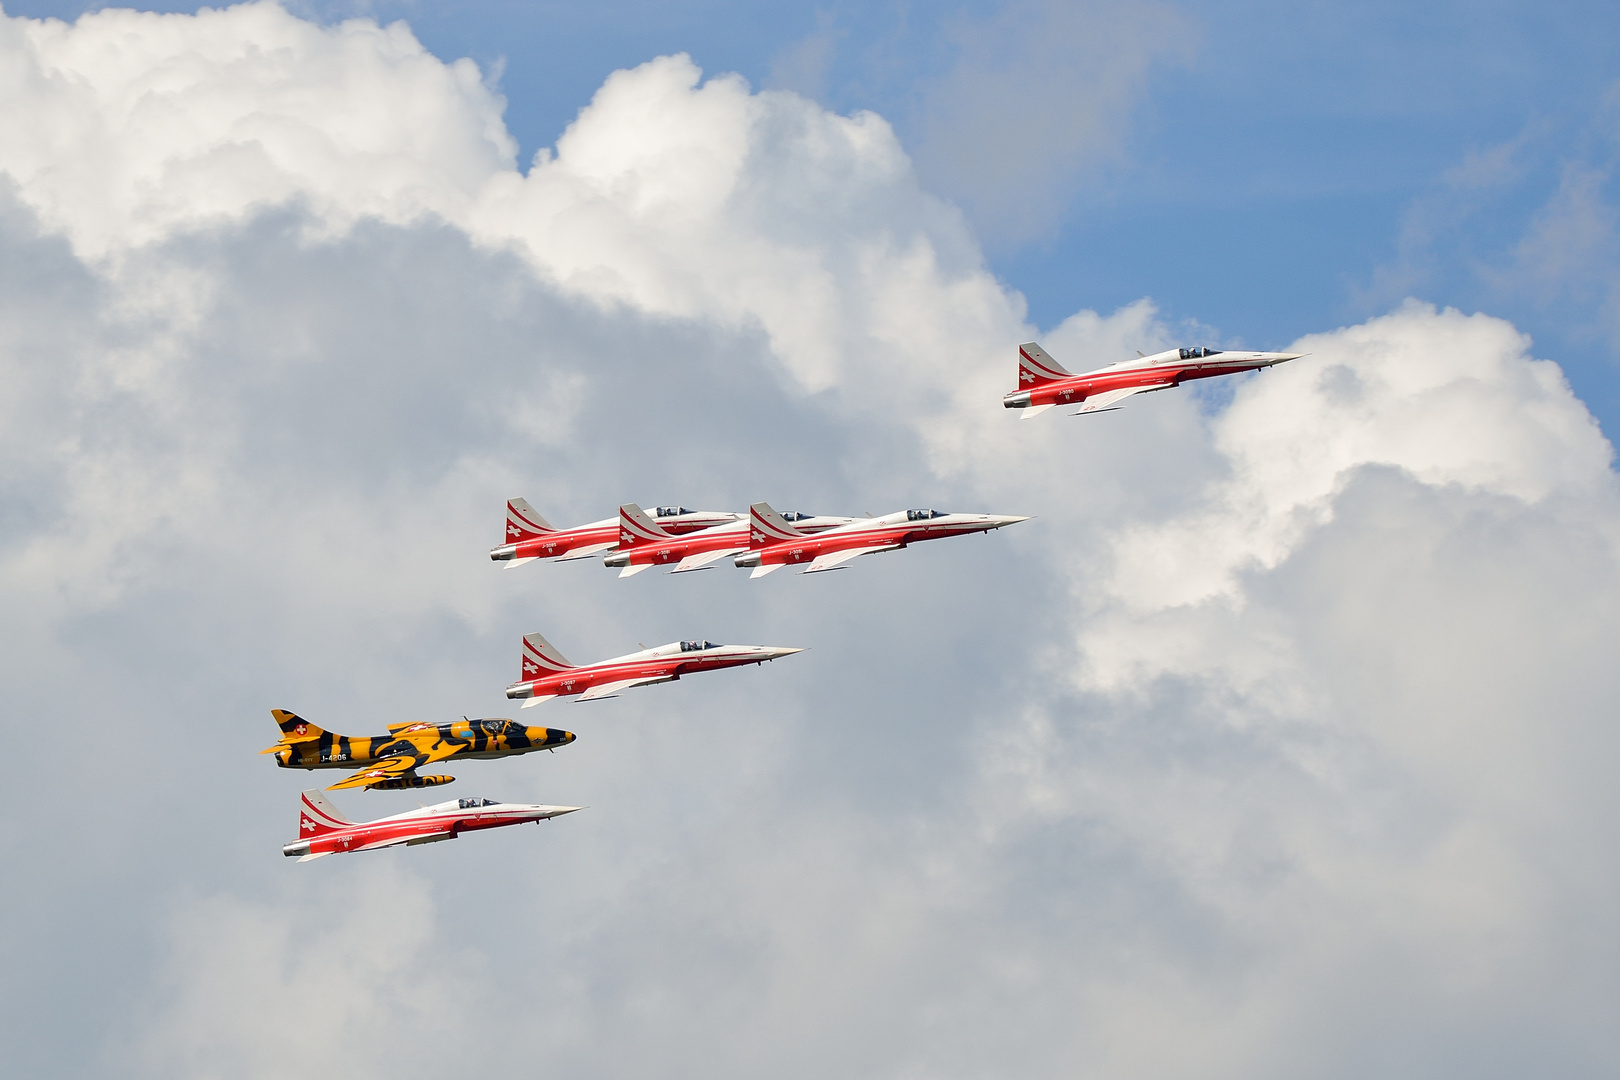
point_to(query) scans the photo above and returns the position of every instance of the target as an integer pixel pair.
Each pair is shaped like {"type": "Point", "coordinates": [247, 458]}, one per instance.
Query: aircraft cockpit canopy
{"type": "Point", "coordinates": [474, 804]}
{"type": "Point", "coordinates": [697, 646]}
{"type": "Point", "coordinates": [670, 511]}
{"type": "Point", "coordinates": [794, 515]}
{"type": "Point", "coordinates": [1197, 353]}
{"type": "Point", "coordinates": [924, 515]}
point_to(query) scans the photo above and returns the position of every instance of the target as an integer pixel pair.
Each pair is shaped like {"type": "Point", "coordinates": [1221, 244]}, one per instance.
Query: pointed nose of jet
{"type": "Point", "coordinates": [1002, 520]}
{"type": "Point", "coordinates": [1282, 357]}
{"type": "Point", "coordinates": [772, 652]}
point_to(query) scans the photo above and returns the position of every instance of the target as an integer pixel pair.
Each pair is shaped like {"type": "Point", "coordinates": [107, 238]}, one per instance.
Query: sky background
{"type": "Point", "coordinates": [1280, 743]}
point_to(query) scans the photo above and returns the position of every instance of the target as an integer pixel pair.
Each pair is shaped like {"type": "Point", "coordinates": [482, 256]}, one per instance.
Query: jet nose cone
{"type": "Point", "coordinates": [1284, 357]}
{"type": "Point", "coordinates": [1007, 519]}
{"type": "Point", "coordinates": [772, 652]}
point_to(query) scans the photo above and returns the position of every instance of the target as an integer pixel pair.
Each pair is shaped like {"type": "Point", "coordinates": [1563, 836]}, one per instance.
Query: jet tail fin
{"type": "Point", "coordinates": [636, 528]}
{"type": "Point", "coordinates": [522, 523]}
{"type": "Point", "coordinates": [540, 656]}
{"type": "Point", "coordinates": [294, 729]}
{"type": "Point", "coordinates": [1037, 368]}
{"type": "Point", "coordinates": [317, 815]}
{"type": "Point", "coordinates": [767, 527]}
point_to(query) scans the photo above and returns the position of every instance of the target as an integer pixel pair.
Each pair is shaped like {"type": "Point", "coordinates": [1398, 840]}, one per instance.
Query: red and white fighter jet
{"type": "Point", "coordinates": [530, 537]}
{"type": "Point", "coordinates": [1043, 383]}
{"type": "Point", "coordinates": [775, 543]}
{"type": "Point", "coordinates": [324, 831]}
{"type": "Point", "coordinates": [547, 675]}
{"type": "Point", "coordinates": [644, 542]}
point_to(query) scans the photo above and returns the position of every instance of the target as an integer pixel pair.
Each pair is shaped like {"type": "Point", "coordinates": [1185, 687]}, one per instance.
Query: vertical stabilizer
{"type": "Point", "coordinates": [1037, 368]}
{"type": "Point", "coordinates": [540, 657]}
{"type": "Point", "coordinates": [767, 527]}
{"type": "Point", "coordinates": [295, 728]}
{"type": "Point", "coordinates": [636, 528]}
{"type": "Point", "coordinates": [317, 815]}
{"type": "Point", "coordinates": [522, 523]}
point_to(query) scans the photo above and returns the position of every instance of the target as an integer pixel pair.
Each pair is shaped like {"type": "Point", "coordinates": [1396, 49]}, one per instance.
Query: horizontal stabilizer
{"type": "Point", "coordinates": [529, 703]}
{"type": "Point", "coordinates": [1032, 411]}
{"type": "Point", "coordinates": [634, 569]}
{"type": "Point", "coordinates": [768, 568]}
{"type": "Point", "coordinates": [519, 562]}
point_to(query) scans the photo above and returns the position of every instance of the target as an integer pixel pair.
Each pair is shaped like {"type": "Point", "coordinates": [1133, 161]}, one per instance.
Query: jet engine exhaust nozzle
{"type": "Point", "coordinates": [1018, 399]}
{"type": "Point", "coordinates": [501, 554]}
{"type": "Point", "coordinates": [292, 851]}
{"type": "Point", "coordinates": [616, 558]}
{"type": "Point", "coordinates": [750, 558]}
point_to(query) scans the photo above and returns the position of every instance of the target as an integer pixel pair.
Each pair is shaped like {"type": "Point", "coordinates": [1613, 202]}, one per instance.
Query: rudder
{"type": "Point", "coordinates": [636, 528]}
{"type": "Point", "coordinates": [767, 527]}
{"type": "Point", "coordinates": [522, 523]}
{"type": "Point", "coordinates": [317, 815]}
{"type": "Point", "coordinates": [1037, 368]}
{"type": "Point", "coordinates": [540, 656]}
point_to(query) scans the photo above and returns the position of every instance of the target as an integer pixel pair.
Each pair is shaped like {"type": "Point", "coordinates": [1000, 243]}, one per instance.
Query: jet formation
{"type": "Point", "coordinates": [763, 539]}
{"type": "Point", "coordinates": [324, 831]}
{"type": "Point", "coordinates": [1044, 384]}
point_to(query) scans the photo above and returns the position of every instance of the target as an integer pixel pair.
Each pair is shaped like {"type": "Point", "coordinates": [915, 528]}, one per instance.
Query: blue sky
{"type": "Point", "coordinates": [1269, 162]}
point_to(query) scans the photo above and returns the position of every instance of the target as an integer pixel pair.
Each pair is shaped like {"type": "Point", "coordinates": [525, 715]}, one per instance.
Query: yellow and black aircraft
{"type": "Point", "coordinates": [389, 762]}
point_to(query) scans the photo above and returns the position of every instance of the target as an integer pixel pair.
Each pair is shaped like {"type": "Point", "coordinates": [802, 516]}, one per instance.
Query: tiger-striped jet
{"type": "Point", "coordinates": [545, 674]}
{"type": "Point", "coordinates": [529, 536]}
{"type": "Point", "coordinates": [1043, 383]}
{"type": "Point", "coordinates": [389, 762]}
{"type": "Point", "coordinates": [644, 542]}
{"type": "Point", "coordinates": [324, 831]}
{"type": "Point", "coordinates": [775, 543]}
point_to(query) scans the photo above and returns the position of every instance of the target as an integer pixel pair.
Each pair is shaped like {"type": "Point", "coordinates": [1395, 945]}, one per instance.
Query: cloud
{"type": "Point", "coordinates": [1277, 739]}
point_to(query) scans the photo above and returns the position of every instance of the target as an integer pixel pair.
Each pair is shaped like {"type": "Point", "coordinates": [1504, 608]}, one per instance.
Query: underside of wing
{"type": "Point", "coordinates": [408, 841]}
{"type": "Point", "coordinates": [834, 560]}
{"type": "Point", "coordinates": [402, 766]}
{"type": "Point", "coordinates": [701, 562]}
{"type": "Point", "coordinates": [602, 690]}
{"type": "Point", "coordinates": [585, 552]}
{"type": "Point", "coordinates": [1099, 402]}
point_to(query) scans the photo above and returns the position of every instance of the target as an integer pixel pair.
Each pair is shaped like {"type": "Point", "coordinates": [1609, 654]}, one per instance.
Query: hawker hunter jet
{"type": "Point", "coordinates": [774, 542]}
{"type": "Point", "coordinates": [644, 542]}
{"type": "Point", "coordinates": [529, 537]}
{"type": "Point", "coordinates": [1043, 383]}
{"type": "Point", "coordinates": [546, 674]}
{"type": "Point", "coordinates": [324, 831]}
{"type": "Point", "coordinates": [389, 762]}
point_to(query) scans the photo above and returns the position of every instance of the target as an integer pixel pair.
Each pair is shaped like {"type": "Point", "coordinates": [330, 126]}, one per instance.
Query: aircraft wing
{"type": "Point", "coordinates": [585, 552]}
{"type": "Point", "coordinates": [602, 690]}
{"type": "Point", "coordinates": [408, 841]}
{"type": "Point", "coordinates": [387, 769]}
{"type": "Point", "coordinates": [834, 560]}
{"type": "Point", "coordinates": [702, 561]}
{"type": "Point", "coordinates": [1100, 402]}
